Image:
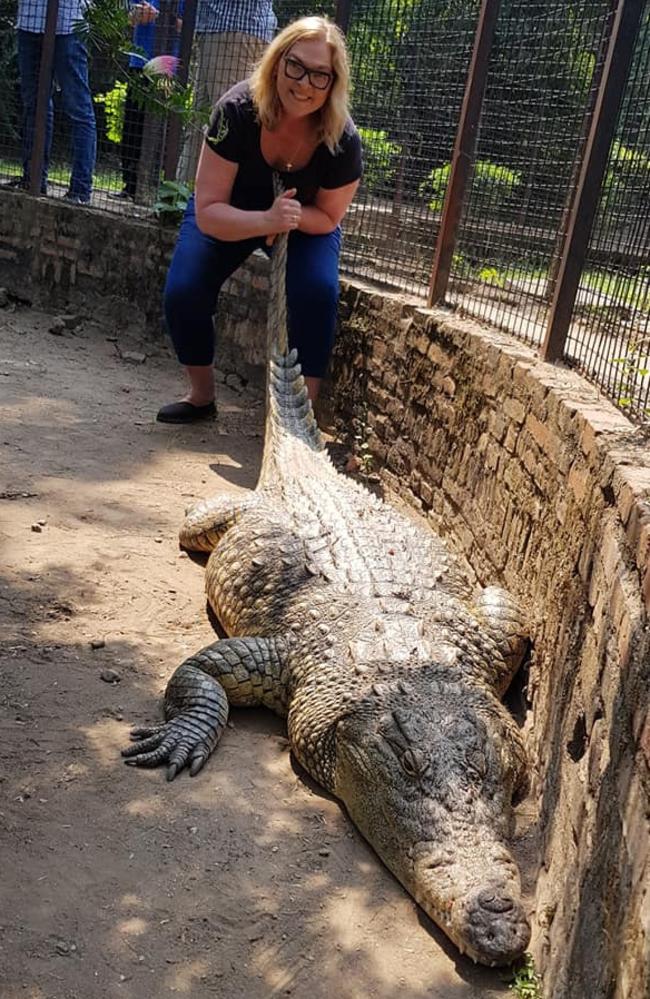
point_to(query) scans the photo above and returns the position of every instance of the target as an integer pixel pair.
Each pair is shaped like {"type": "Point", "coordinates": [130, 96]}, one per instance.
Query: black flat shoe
{"type": "Point", "coordinates": [185, 412]}
{"type": "Point", "coordinates": [123, 195]}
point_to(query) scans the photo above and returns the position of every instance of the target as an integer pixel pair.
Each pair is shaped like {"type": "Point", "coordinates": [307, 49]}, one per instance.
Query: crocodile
{"type": "Point", "coordinates": [358, 625]}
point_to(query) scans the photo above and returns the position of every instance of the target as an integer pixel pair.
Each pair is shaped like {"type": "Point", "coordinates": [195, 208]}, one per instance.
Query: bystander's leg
{"type": "Point", "coordinates": [71, 71]}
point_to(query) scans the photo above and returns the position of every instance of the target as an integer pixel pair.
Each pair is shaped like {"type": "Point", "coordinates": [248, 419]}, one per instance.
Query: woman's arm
{"type": "Point", "coordinates": [327, 211]}
{"type": "Point", "coordinates": [216, 217]}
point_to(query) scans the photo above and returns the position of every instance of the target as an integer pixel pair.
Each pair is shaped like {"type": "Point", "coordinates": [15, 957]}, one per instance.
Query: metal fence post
{"type": "Point", "coordinates": [343, 13]}
{"type": "Point", "coordinates": [43, 97]}
{"type": "Point", "coordinates": [618, 61]}
{"type": "Point", "coordinates": [174, 127]}
{"type": "Point", "coordinates": [461, 160]}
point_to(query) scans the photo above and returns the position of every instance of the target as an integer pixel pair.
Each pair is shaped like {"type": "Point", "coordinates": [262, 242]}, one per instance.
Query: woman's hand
{"type": "Point", "coordinates": [284, 214]}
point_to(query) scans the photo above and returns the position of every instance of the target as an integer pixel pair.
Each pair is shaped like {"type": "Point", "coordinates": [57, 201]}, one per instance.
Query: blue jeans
{"type": "Point", "coordinates": [201, 264]}
{"type": "Point", "coordinates": [71, 72]}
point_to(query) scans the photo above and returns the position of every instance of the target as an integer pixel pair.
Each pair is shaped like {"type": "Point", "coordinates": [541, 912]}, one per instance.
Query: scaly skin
{"type": "Point", "coordinates": [359, 627]}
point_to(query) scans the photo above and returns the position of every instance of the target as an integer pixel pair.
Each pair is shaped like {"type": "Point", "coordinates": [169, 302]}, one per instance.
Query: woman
{"type": "Point", "coordinates": [292, 116]}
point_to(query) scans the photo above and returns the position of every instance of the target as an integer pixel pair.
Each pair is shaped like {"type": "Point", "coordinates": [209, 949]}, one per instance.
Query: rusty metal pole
{"type": "Point", "coordinates": [174, 128]}
{"type": "Point", "coordinates": [343, 13]}
{"type": "Point", "coordinates": [43, 96]}
{"type": "Point", "coordinates": [618, 60]}
{"type": "Point", "coordinates": [463, 150]}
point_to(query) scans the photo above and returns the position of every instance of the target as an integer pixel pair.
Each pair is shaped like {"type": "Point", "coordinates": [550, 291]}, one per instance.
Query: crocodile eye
{"type": "Point", "coordinates": [414, 763]}
{"type": "Point", "coordinates": [407, 764]}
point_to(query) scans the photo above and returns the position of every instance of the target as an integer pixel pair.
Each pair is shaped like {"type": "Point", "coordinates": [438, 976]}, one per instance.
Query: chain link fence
{"type": "Point", "coordinates": [412, 66]}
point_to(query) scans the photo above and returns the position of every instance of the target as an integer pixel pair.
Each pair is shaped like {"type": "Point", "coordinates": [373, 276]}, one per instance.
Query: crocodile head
{"type": "Point", "coordinates": [426, 769]}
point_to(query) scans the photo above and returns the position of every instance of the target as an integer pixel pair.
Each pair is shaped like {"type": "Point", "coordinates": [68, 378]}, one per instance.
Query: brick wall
{"type": "Point", "coordinates": [535, 480]}
{"type": "Point", "coordinates": [544, 486]}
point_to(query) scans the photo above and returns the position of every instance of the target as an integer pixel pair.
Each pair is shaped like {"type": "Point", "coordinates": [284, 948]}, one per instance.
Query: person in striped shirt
{"type": "Point", "coordinates": [70, 69]}
{"type": "Point", "coordinates": [230, 38]}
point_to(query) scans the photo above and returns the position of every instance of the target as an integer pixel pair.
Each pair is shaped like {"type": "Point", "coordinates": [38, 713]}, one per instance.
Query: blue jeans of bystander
{"type": "Point", "coordinates": [71, 73]}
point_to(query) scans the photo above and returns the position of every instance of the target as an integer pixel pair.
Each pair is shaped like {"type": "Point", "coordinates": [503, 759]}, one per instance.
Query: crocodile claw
{"type": "Point", "coordinates": [182, 741]}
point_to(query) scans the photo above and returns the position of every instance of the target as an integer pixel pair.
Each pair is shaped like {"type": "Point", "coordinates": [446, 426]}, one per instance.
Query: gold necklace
{"type": "Point", "coordinates": [289, 164]}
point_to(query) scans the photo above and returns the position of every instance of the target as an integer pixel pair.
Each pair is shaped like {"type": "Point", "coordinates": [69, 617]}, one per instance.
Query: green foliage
{"type": "Point", "coordinates": [490, 275]}
{"type": "Point", "coordinates": [434, 187]}
{"type": "Point", "coordinates": [171, 201]}
{"type": "Point", "coordinates": [113, 102]}
{"type": "Point", "coordinates": [526, 983]}
{"type": "Point", "coordinates": [626, 182]}
{"type": "Point", "coordinates": [380, 159]}
{"type": "Point", "coordinates": [633, 368]}
{"type": "Point", "coordinates": [105, 28]}
{"type": "Point", "coordinates": [500, 182]}
{"type": "Point", "coordinates": [9, 105]}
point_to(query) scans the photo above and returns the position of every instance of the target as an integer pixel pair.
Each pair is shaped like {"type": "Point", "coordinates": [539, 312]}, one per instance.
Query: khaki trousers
{"type": "Point", "coordinates": [220, 61]}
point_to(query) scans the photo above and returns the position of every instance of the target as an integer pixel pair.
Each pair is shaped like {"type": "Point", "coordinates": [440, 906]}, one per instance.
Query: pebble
{"type": "Point", "coordinates": [324, 852]}
{"type": "Point", "coordinates": [37, 528]}
{"type": "Point", "coordinates": [133, 357]}
{"type": "Point", "coordinates": [97, 643]}
{"type": "Point", "coordinates": [110, 676]}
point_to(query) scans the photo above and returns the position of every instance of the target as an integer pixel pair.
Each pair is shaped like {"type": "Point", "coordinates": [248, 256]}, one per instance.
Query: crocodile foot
{"type": "Point", "coordinates": [183, 741]}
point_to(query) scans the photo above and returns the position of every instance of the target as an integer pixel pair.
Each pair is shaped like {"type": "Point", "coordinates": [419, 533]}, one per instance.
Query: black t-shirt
{"type": "Point", "coordinates": [235, 134]}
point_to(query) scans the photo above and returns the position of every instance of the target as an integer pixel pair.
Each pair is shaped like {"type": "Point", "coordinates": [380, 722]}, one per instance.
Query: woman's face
{"type": "Point", "coordinates": [300, 97]}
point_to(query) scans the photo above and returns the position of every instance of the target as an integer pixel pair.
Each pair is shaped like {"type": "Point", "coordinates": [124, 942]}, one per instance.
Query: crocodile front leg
{"type": "Point", "coordinates": [240, 671]}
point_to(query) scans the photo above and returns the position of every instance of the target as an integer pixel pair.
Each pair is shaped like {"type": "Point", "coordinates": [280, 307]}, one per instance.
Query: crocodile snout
{"type": "Point", "coordinates": [494, 926]}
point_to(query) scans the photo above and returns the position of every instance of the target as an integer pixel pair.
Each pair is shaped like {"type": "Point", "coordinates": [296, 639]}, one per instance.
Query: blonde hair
{"type": "Point", "coordinates": [334, 112]}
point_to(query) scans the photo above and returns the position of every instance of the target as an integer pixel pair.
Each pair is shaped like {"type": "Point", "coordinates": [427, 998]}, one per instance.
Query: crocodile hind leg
{"type": "Point", "coordinates": [506, 623]}
{"type": "Point", "coordinates": [207, 522]}
{"type": "Point", "coordinates": [243, 672]}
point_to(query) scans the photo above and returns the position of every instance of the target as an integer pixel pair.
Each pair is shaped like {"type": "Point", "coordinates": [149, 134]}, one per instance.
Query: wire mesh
{"type": "Point", "coordinates": [609, 338]}
{"type": "Point", "coordinates": [542, 78]}
{"type": "Point", "coordinates": [409, 64]}
{"type": "Point", "coordinates": [109, 144]}
{"type": "Point", "coordinates": [104, 137]}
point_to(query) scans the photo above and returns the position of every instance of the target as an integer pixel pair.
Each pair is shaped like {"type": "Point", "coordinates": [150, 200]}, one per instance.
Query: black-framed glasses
{"type": "Point", "coordinates": [295, 70]}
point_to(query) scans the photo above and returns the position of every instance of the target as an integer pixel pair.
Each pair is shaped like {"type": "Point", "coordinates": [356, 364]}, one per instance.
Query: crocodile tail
{"type": "Point", "coordinates": [290, 418]}
{"type": "Point", "coordinates": [290, 412]}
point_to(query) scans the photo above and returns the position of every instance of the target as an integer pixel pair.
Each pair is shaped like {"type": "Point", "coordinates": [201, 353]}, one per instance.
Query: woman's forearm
{"type": "Point", "coordinates": [222, 221]}
{"type": "Point", "coordinates": [315, 222]}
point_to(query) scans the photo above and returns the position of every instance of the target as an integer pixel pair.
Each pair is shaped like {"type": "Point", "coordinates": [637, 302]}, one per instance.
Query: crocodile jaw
{"type": "Point", "coordinates": [486, 921]}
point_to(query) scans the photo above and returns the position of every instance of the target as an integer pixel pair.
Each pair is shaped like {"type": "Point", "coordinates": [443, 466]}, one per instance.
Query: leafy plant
{"type": "Point", "coordinates": [113, 101]}
{"type": "Point", "coordinates": [380, 158]}
{"type": "Point", "coordinates": [633, 367]}
{"type": "Point", "coordinates": [171, 201]}
{"type": "Point", "coordinates": [498, 182]}
{"type": "Point", "coordinates": [105, 27]}
{"type": "Point", "coordinates": [361, 448]}
{"type": "Point", "coordinates": [526, 983]}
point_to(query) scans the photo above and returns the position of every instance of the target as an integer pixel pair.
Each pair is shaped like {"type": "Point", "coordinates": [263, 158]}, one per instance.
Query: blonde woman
{"type": "Point", "coordinates": [291, 117]}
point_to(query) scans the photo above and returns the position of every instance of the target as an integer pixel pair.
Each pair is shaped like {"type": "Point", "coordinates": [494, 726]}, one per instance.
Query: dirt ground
{"type": "Point", "coordinates": [246, 881]}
